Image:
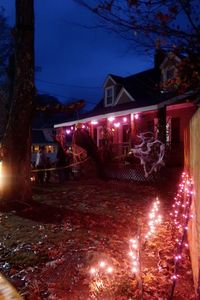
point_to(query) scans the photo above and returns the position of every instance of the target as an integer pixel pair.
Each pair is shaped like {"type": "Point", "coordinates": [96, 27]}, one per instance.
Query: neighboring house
{"type": "Point", "coordinates": [136, 104]}
{"type": "Point", "coordinates": [42, 127]}
{"type": "Point", "coordinates": [43, 137]}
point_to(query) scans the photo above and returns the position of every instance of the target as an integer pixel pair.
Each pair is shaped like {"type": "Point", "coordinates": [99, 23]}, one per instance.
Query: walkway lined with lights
{"type": "Point", "coordinates": [115, 239]}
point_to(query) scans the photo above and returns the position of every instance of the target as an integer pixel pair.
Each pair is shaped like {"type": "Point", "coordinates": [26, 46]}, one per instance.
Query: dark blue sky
{"type": "Point", "coordinates": [74, 60]}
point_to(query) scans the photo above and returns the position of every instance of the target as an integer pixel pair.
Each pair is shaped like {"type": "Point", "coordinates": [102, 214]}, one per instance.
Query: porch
{"type": "Point", "coordinates": [124, 165]}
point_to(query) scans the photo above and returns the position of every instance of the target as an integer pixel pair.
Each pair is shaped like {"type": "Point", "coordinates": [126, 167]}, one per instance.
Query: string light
{"type": "Point", "coordinates": [100, 273]}
{"type": "Point", "coordinates": [117, 125]}
{"type": "Point", "coordinates": [180, 217]}
{"type": "Point", "coordinates": [154, 218]}
{"type": "Point", "coordinates": [94, 122]}
{"type": "Point", "coordinates": [101, 268]}
{"type": "Point", "coordinates": [111, 119]}
{"type": "Point", "coordinates": [68, 131]}
{"type": "Point", "coordinates": [134, 254]}
{"type": "Point", "coordinates": [136, 116]}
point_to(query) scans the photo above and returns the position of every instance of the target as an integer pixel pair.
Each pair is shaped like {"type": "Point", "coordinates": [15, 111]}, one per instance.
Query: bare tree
{"type": "Point", "coordinates": [17, 139]}
{"type": "Point", "coordinates": [5, 45]}
{"type": "Point", "coordinates": [171, 24]}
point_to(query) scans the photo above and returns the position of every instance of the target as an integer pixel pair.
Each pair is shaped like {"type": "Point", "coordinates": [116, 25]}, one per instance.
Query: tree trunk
{"type": "Point", "coordinates": [17, 139]}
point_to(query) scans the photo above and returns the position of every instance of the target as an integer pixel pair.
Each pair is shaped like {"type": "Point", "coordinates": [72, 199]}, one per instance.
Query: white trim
{"type": "Point", "coordinates": [107, 79]}
{"type": "Point", "coordinates": [123, 90]}
{"type": "Point", "coordinates": [106, 104]}
{"type": "Point", "coordinates": [126, 112]}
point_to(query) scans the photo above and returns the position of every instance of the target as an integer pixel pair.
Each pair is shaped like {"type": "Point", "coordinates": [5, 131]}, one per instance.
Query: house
{"type": "Point", "coordinates": [43, 137]}
{"type": "Point", "coordinates": [42, 125]}
{"type": "Point", "coordinates": [139, 103]}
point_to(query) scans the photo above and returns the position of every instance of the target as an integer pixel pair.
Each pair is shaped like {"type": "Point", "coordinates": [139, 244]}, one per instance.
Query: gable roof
{"type": "Point", "coordinates": [143, 87]}
{"type": "Point", "coordinates": [123, 92]}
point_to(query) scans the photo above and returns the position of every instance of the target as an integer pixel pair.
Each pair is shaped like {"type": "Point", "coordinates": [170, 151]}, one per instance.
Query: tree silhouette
{"type": "Point", "coordinates": [168, 24]}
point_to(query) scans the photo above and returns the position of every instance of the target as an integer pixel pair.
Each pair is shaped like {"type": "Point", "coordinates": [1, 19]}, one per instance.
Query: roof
{"type": "Point", "coordinates": [144, 88]}
{"type": "Point", "coordinates": [38, 137]}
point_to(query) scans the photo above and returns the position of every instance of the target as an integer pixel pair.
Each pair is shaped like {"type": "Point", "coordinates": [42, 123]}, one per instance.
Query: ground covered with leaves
{"type": "Point", "coordinates": [47, 249]}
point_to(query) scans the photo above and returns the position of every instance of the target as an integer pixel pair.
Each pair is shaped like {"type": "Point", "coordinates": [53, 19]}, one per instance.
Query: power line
{"type": "Point", "coordinates": [63, 96]}
{"type": "Point", "coordinates": [68, 85]}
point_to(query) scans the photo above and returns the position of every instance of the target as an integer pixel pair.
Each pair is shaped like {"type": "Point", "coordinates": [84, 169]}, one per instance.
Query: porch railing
{"type": "Point", "coordinates": [174, 152]}
{"type": "Point", "coordinates": [120, 150]}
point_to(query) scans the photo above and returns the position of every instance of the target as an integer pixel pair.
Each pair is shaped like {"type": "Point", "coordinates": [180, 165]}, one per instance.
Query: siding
{"type": "Point", "coordinates": [192, 163]}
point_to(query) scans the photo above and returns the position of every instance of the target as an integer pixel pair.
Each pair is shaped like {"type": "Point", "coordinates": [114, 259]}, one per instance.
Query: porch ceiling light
{"type": "Point", "coordinates": [68, 131]}
{"type": "Point", "coordinates": [94, 122]}
{"type": "Point", "coordinates": [111, 119]}
{"type": "Point", "coordinates": [124, 119]}
{"type": "Point", "coordinates": [136, 116]}
{"type": "Point", "coordinates": [117, 124]}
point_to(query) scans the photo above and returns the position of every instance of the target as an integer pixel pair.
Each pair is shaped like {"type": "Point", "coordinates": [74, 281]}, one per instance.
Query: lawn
{"type": "Point", "coordinates": [48, 248]}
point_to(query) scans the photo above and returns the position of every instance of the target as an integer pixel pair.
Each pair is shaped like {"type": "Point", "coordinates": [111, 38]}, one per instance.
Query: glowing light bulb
{"type": "Point", "coordinates": [117, 125]}
{"type": "Point", "coordinates": [94, 122]}
{"type": "Point", "coordinates": [136, 116]}
{"type": "Point", "coordinates": [102, 264]}
{"type": "Point", "coordinates": [111, 119]}
{"type": "Point", "coordinates": [93, 271]}
{"type": "Point", "coordinates": [109, 270]}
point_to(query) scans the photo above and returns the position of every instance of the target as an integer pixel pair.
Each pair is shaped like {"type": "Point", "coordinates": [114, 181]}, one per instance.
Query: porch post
{"type": "Point", "coordinates": [91, 130]}
{"type": "Point", "coordinates": [162, 124]}
{"type": "Point", "coordinates": [133, 129]}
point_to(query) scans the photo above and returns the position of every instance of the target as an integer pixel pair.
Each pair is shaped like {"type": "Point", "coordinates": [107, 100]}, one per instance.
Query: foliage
{"type": "Point", "coordinates": [167, 24]}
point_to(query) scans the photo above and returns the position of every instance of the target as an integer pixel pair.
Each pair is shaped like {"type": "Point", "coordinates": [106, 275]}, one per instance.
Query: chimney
{"type": "Point", "coordinates": [159, 57]}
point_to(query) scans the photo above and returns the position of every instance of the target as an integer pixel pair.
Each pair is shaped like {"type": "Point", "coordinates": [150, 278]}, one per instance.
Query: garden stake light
{"type": "Point", "coordinates": [100, 277]}
{"type": "Point", "coordinates": [154, 219]}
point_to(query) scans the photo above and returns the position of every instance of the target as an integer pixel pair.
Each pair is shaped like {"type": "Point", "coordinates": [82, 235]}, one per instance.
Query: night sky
{"type": "Point", "coordinates": [72, 61]}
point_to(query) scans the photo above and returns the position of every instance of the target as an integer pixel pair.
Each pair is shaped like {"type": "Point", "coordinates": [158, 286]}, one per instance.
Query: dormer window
{"type": "Point", "coordinates": [170, 73]}
{"type": "Point", "coordinates": [109, 96]}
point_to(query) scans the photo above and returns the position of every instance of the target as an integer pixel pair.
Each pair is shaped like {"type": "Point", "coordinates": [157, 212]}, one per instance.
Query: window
{"type": "Point", "coordinates": [170, 73]}
{"type": "Point", "coordinates": [109, 96]}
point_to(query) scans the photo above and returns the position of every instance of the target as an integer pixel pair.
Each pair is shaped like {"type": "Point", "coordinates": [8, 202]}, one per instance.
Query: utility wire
{"type": "Point", "coordinates": [63, 96]}
{"type": "Point", "coordinates": [68, 85]}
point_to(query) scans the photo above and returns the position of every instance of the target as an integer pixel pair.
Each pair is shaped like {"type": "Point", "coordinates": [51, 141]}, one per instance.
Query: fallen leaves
{"type": "Point", "coordinates": [96, 222]}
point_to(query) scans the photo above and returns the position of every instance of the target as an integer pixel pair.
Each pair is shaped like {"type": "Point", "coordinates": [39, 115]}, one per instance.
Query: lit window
{"type": "Point", "coordinates": [35, 148]}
